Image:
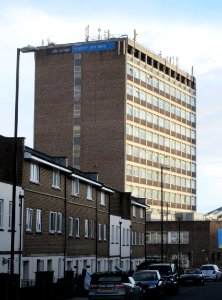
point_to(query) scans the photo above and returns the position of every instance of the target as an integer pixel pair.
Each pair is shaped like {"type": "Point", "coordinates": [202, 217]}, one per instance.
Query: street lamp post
{"type": "Point", "coordinates": [179, 263]}
{"type": "Point", "coordinates": [162, 168]}
{"type": "Point", "coordinates": [120, 242]}
{"type": "Point", "coordinates": [15, 147]}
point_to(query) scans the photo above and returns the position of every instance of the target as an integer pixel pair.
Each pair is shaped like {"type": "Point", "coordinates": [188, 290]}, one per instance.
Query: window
{"type": "Point", "coordinates": [10, 215]}
{"type": "Point", "coordinates": [38, 220]}
{"type": "Point", "coordinates": [1, 212]}
{"type": "Point", "coordinates": [75, 187]}
{"type": "Point", "coordinates": [70, 228]}
{"type": "Point", "coordinates": [92, 232]}
{"type": "Point", "coordinates": [104, 232]}
{"type": "Point", "coordinates": [100, 232]}
{"type": "Point", "coordinates": [77, 227]}
{"type": "Point", "coordinates": [102, 198]}
{"type": "Point", "coordinates": [59, 222]}
{"type": "Point", "coordinates": [52, 222]}
{"type": "Point", "coordinates": [141, 213]}
{"type": "Point", "coordinates": [113, 234]}
{"type": "Point", "coordinates": [34, 172]}
{"type": "Point", "coordinates": [86, 228]}
{"type": "Point", "coordinates": [124, 237]}
{"type": "Point", "coordinates": [134, 211]}
{"type": "Point", "coordinates": [29, 212]}
{"type": "Point", "coordinates": [56, 179]}
{"type": "Point", "coordinates": [89, 192]}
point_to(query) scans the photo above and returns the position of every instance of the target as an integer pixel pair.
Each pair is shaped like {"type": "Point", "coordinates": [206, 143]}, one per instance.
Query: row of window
{"type": "Point", "coordinates": [160, 85]}
{"type": "Point", "coordinates": [155, 176]}
{"type": "Point", "coordinates": [154, 194]}
{"type": "Point", "coordinates": [146, 135]}
{"type": "Point", "coordinates": [137, 238]}
{"type": "Point", "coordinates": [170, 237]}
{"type": "Point", "coordinates": [56, 183]}
{"type": "Point", "coordinates": [159, 121]}
{"type": "Point", "coordinates": [147, 98]}
{"type": "Point", "coordinates": [159, 158]}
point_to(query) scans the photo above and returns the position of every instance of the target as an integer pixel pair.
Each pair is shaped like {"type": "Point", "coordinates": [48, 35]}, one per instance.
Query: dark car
{"type": "Point", "coordinates": [114, 285]}
{"type": "Point", "coordinates": [168, 273]}
{"type": "Point", "coordinates": [192, 276]}
{"type": "Point", "coordinates": [151, 283]}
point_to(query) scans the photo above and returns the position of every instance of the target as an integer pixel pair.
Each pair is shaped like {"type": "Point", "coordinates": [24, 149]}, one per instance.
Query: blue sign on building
{"type": "Point", "coordinates": [220, 238]}
{"type": "Point", "coordinates": [93, 47]}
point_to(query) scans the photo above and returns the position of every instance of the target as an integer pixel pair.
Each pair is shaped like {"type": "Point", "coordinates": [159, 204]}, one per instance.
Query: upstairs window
{"type": "Point", "coordinates": [77, 227]}
{"type": "Point", "coordinates": [59, 222]}
{"type": "Point", "coordinates": [75, 187]}
{"type": "Point", "coordinates": [29, 212]}
{"type": "Point", "coordinates": [102, 198]}
{"type": "Point", "coordinates": [89, 192]}
{"type": "Point", "coordinates": [141, 213]}
{"type": "Point", "coordinates": [34, 173]}
{"type": "Point", "coordinates": [56, 179]}
{"type": "Point", "coordinates": [70, 227]}
{"type": "Point", "coordinates": [86, 228]}
{"type": "Point", "coordinates": [100, 232]}
{"type": "Point", "coordinates": [52, 222]}
{"type": "Point", "coordinates": [1, 213]}
{"type": "Point", "coordinates": [38, 220]}
{"type": "Point", "coordinates": [134, 211]}
{"type": "Point", "coordinates": [10, 215]}
{"type": "Point", "coordinates": [92, 229]}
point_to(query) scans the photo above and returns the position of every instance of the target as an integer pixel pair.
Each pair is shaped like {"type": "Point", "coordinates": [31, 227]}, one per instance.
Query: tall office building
{"type": "Point", "coordinates": [116, 108]}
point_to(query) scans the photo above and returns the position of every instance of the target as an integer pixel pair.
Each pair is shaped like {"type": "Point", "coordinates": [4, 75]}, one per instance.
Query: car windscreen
{"type": "Point", "coordinates": [142, 276]}
{"type": "Point", "coordinates": [164, 270]}
{"type": "Point", "coordinates": [207, 268]}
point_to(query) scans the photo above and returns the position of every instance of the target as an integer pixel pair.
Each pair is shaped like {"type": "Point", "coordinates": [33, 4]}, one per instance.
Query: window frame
{"type": "Point", "coordinates": [29, 217]}
{"type": "Point", "coordinates": [34, 173]}
{"type": "Point", "coordinates": [38, 227]}
{"type": "Point", "coordinates": [56, 179]}
{"type": "Point", "coordinates": [75, 187]}
{"type": "Point", "coordinates": [89, 195]}
{"type": "Point", "coordinates": [77, 227]}
{"type": "Point", "coordinates": [1, 213]}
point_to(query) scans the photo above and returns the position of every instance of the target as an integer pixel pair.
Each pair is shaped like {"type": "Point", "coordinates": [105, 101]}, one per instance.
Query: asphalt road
{"type": "Point", "coordinates": [209, 291]}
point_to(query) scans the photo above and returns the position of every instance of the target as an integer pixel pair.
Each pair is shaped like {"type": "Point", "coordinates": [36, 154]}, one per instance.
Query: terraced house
{"type": "Point", "coordinates": [63, 217]}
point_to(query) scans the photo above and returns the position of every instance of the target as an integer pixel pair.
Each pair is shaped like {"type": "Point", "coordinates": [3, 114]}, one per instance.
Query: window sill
{"type": "Point", "coordinates": [56, 187]}
{"type": "Point", "coordinates": [34, 182]}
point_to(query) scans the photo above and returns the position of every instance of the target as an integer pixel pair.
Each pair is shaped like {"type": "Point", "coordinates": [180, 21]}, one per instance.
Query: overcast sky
{"type": "Point", "coordinates": [190, 30]}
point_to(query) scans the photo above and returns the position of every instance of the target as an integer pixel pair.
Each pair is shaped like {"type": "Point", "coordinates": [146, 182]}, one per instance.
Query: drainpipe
{"type": "Point", "coordinates": [65, 225]}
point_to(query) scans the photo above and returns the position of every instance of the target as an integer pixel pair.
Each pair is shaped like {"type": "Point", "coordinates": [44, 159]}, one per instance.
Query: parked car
{"type": "Point", "coordinates": [169, 274]}
{"type": "Point", "coordinates": [114, 285]}
{"type": "Point", "coordinates": [150, 281]}
{"type": "Point", "coordinates": [192, 276]}
{"type": "Point", "coordinates": [211, 272]}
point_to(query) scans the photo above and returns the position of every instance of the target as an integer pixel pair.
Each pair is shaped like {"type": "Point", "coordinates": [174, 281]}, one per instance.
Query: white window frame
{"type": "Point", "coordinates": [10, 215]}
{"type": "Point", "coordinates": [34, 173]}
{"type": "Point", "coordinates": [141, 213]}
{"type": "Point", "coordinates": [113, 234]}
{"type": "Point", "coordinates": [89, 192]}
{"type": "Point", "coordinates": [38, 227]}
{"type": "Point", "coordinates": [100, 232]}
{"type": "Point", "coordinates": [59, 222]}
{"type": "Point", "coordinates": [102, 198]}
{"type": "Point", "coordinates": [104, 232]}
{"type": "Point", "coordinates": [70, 228]}
{"type": "Point", "coordinates": [92, 229]}
{"type": "Point", "coordinates": [75, 187]}
{"type": "Point", "coordinates": [52, 222]}
{"type": "Point", "coordinates": [1, 213]}
{"type": "Point", "coordinates": [86, 228]}
{"type": "Point", "coordinates": [29, 213]}
{"type": "Point", "coordinates": [56, 179]}
{"type": "Point", "coordinates": [77, 227]}
{"type": "Point", "coordinates": [134, 210]}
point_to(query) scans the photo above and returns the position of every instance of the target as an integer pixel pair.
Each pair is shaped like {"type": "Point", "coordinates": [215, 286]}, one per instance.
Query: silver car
{"type": "Point", "coordinates": [114, 285]}
{"type": "Point", "coordinates": [211, 272]}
